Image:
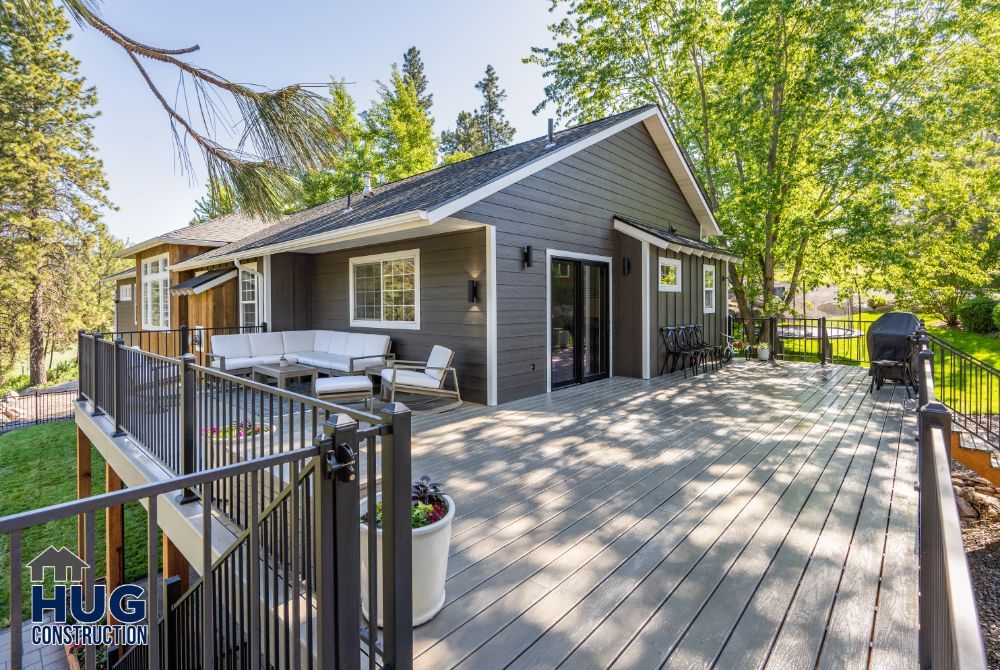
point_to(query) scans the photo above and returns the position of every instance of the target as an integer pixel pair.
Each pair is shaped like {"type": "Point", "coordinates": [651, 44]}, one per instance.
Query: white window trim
{"type": "Point", "coordinates": [388, 325]}
{"type": "Point", "coordinates": [144, 279]}
{"type": "Point", "coordinates": [250, 269]}
{"type": "Point", "coordinates": [678, 266]}
{"type": "Point", "coordinates": [709, 270]}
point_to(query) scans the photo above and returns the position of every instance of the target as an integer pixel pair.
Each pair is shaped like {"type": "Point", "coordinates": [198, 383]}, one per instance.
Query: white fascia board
{"type": "Point", "coordinates": [395, 223]}
{"type": "Point", "coordinates": [678, 165]}
{"type": "Point", "coordinates": [641, 235]}
{"type": "Point", "coordinates": [447, 209]}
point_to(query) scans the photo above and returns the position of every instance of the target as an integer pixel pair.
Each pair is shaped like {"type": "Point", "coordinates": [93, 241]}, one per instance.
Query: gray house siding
{"type": "Point", "coordinates": [686, 307]}
{"type": "Point", "coordinates": [570, 206]}
{"type": "Point", "coordinates": [291, 293]}
{"type": "Point", "coordinates": [447, 263]}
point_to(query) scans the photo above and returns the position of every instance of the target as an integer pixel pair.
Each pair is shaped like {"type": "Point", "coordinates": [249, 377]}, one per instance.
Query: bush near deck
{"type": "Point", "coordinates": [38, 468]}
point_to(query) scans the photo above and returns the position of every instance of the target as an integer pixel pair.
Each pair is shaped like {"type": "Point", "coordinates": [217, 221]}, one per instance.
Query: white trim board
{"type": "Point", "coordinates": [492, 298]}
{"type": "Point", "coordinates": [573, 255]}
{"type": "Point", "coordinates": [647, 312]}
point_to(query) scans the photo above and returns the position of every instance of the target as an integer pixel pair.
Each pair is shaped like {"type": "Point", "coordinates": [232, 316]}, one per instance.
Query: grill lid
{"type": "Point", "coordinates": [889, 336]}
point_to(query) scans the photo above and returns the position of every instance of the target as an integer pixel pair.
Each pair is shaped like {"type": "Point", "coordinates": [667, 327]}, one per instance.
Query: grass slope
{"type": "Point", "coordinates": [38, 468]}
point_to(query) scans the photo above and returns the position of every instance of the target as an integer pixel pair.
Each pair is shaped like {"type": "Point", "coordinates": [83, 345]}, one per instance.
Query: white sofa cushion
{"type": "Point", "coordinates": [231, 345]}
{"type": "Point", "coordinates": [325, 360]}
{"type": "Point", "coordinates": [267, 344]}
{"type": "Point", "coordinates": [356, 344]}
{"type": "Point", "coordinates": [343, 384]}
{"type": "Point", "coordinates": [440, 358]}
{"type": "Point", "coordinates": [376, 345]}
{"type": "Point", "coordinates": [411, 378]}
{"type": "Point", "coordinates": [337, 344]}
{"type": "Point", "coordinates": [299, 340]}
{"type": "Point", "coordinates": [244, 362]}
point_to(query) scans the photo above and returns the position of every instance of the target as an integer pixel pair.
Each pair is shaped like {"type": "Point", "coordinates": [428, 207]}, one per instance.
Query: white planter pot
{"type": "Point", "coordinates": [763, 354]}
{"type": "Point", "coordinates": [430, 566]}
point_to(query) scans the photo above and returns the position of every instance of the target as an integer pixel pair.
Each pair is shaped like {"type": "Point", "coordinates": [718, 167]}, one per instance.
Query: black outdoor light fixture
{"type": "Point", "coordinates": [626, 265]}
{"type": "Point", "coordinates": [473, 291]}
{"type": "Point", "coordinates": [526, 256]}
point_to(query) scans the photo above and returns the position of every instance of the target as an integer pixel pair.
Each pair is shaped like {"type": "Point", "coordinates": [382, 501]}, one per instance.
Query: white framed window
{"type": "Point", "coordinates": [708, 286]}
{"type": "Point", "coordinates": [249, 297]}
{"type": "Point", "coordinates": [156, 293]}
{"type": "Point", "coordinates": [384, 290]}
{"type": "Point", "coordinates": [125, 292]}
{"type": "Point", "coordinates": [669, 275]}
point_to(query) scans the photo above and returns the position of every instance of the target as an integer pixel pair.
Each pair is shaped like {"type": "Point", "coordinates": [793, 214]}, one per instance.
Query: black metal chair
{"type": "Point", "coordinates": [698, 349]}
{"type": "Point", "coordinates": [677, 350]}
{"type": "Point", "coordinates": [713, 351]}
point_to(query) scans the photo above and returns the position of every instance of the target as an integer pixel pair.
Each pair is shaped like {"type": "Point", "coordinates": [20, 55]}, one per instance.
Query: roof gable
{"type": "Point", "coordinates": [433, 196]}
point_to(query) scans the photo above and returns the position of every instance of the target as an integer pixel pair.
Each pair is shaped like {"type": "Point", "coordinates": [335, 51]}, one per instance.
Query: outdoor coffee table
{"type": "Point", "coordinates": [283, 374]}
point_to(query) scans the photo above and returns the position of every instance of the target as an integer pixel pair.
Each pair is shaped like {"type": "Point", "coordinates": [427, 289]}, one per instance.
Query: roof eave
{"type": "Point", "coordinates": [627, 228]}
{"type": "Point", "coordinates": [131, 251]}
{"type": "Point", "coordinates": [360, 230]}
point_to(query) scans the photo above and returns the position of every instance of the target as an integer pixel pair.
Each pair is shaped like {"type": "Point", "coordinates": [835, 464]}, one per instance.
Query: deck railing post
{"type": "Point", "coordinates": [924, 384]}
{"type": "Point", "coordinates": [171, 643]}
{"type": "Point", "coordinates": [263, 326]}
{"type": "Point", "coordinates": [185, 344]}
{"type": "Point", "coordinates": [338, 545]}
{"type": "Point", "coordinates": [824, 342]}
{"type": "Point", "coordinates": [397, 539]}
{"type": "Point", "coordinates": [119, 386]}
{"type": "Point", "coordinates": [189, 395]}
{"type": "Point", "coordinates": [96, 377]}
{"type": "Point", "coordinates": [79, 364]}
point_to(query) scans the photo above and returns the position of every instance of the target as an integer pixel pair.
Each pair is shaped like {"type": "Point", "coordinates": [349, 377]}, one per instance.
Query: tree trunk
{"type": "Point", "coordinates": [36, 336]}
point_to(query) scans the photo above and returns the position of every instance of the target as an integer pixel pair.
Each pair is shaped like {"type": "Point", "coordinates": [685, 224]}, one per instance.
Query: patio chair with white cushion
{"type": "Point", "coordinates": [419, 378]}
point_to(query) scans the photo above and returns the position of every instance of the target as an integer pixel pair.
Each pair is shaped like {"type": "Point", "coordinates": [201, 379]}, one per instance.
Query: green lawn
{"type": "Point", "coordinates": [38, 468]}
{"type": "Point", "coordinates": [965, 389]}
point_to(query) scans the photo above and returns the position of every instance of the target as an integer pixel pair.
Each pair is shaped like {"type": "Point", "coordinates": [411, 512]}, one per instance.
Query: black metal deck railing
{"type": "Point", "coordinates": [949, 627]}
{"type": "Point", "coordinates": [970, 388]}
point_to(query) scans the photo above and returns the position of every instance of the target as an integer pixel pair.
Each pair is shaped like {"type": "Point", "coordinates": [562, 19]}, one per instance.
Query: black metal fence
{"type": "Point", "coordinates": [949, 626]}
{"type": "Point", "coordinates": [176, 342]}
{"type": "Point", "coordinates": [970, 389]}
{"type": "Point", "coordinates": [35, 408]}
{"type": "Point", "coordinates": [809, 339]}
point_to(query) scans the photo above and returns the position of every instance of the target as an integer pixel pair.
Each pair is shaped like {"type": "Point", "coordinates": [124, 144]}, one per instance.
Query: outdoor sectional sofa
{"type": "Point", "coordinates": [332, 351]}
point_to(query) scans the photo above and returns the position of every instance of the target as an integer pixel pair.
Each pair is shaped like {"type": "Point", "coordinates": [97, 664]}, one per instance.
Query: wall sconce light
{"type": "Point", "coordinates": [626, 266]}
{"type": "Point", "coordinates": [473, 291]}
{"type": "Point", "coordinates": [526, 256]}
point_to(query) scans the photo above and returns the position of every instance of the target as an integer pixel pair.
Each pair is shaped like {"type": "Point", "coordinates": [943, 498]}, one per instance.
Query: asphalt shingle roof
{"type": "Point", "coordinates": [420, 192]}
{"type": "Point", "coordinates": [229, 228]}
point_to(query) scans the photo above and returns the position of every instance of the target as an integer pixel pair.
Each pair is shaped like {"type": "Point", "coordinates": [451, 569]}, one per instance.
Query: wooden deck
{"type": "Point", "coordinates": [758, 516]}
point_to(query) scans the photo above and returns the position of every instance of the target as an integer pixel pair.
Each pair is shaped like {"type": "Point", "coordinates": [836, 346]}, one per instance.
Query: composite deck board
{"type": "Point", "coordinates": [676, 520]}
{"type": "Point", "coordinates": [562, 557]}
{"type": "Point", "coordinates": [758, 621]}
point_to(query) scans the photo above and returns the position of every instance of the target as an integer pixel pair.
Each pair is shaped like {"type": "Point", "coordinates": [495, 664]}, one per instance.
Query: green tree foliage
{"type": "Point", "coordinates": [398, 132]}
{"type": "Point", "coordinates": [216, 202]}
{"type": "Point", "coordinates": [802, 120]}
{"type": "Point", "coordinates": [413, 75]}
{"type": "Point", "coordinates": [483, 130]}
{"type": "Point", "coordinates": [284, 131]}
{"type": "Point", "coordinates": [53, 246]}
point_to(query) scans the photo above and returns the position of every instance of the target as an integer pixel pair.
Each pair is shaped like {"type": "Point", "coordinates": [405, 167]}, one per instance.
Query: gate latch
{"type": "Point", "coordinates": [341, 461]}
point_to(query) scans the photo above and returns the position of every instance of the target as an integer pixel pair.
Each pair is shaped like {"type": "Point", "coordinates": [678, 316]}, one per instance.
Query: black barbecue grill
{"type": "Point", "coordinates": [891, 343]}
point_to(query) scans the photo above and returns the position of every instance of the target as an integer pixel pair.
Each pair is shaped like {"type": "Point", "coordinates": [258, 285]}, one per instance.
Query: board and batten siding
{"type": "Point", "coordinates": [686, 307]}
{"type": "Point", "coordinates": [570, 206]}
{"type": "Point", "coordinates": [447, 263]}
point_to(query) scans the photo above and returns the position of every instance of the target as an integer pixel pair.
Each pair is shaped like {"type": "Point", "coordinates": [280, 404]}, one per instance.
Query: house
{"type": "Point", "coordinates": [66, 566]}
{"type": "Point", "coordinates": [144, 299]}
{"type": "Point", "coordinates": [547, 263]}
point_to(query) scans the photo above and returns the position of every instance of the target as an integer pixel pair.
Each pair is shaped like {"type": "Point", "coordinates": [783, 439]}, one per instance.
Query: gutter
{"type": "Point", "coordinates": [407, 220]}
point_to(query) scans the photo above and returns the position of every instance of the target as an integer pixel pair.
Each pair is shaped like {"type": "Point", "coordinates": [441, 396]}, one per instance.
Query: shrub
{"type": "Point", "coordinates": [976, 315]}
{"type": "Point", "coordinates": [878, 302]}
{"type": "Point", "coordinates": [996, 317]}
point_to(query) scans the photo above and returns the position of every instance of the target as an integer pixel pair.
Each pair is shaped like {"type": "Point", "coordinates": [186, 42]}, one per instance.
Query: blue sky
{"type": "Point", "coordinates": [280, 43]}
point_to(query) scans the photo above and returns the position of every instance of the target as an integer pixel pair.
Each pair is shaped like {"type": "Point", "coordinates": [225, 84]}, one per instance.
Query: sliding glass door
{"type": "Point", "coordinates": [580, 321]}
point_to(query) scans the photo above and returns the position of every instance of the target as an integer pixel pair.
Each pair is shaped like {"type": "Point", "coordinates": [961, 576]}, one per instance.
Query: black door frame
{"type": "Point", "coordinates": [578, 377]}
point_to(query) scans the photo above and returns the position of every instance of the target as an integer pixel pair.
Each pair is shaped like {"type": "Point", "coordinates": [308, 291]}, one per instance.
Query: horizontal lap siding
{"type": "Point", "coordinates": [447, 263]}
{"type": "Point", "coordinates": [570, 206]}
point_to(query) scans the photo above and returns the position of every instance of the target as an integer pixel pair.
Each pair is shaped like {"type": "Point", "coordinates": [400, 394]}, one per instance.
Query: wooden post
{"type": "Point", "coordinates": [174, 563]}
{"type": "Point", "coordinates": [114, 536]}
{"type": "Point", "coordinates": [84, 484]}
